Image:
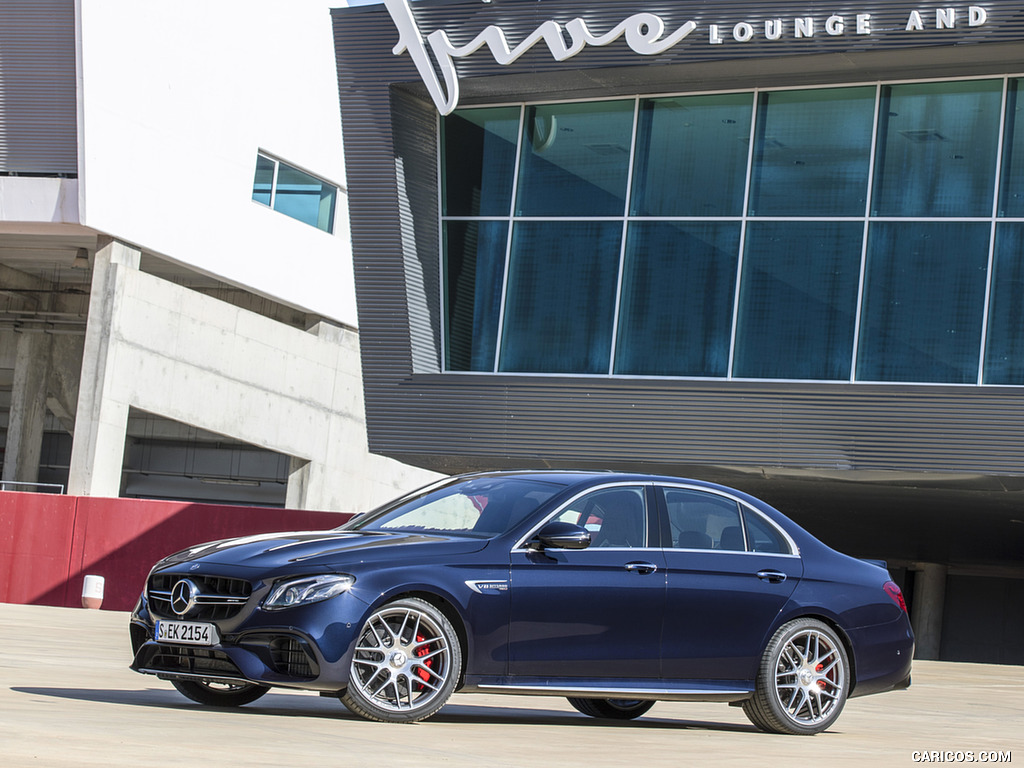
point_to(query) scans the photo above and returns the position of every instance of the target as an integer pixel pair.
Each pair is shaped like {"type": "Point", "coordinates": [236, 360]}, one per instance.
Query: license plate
{"type": "Point", "coordinates": [186, 633]}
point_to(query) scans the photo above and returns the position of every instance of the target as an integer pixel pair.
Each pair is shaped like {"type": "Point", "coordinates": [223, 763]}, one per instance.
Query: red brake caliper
{"type": "Point", "coordinates": [422, 674]}
{"type": "Point", "coordinates": [821, 683]}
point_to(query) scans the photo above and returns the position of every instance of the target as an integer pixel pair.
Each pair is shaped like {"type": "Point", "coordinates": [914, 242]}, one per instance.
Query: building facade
{"type": "Point", "coordinates": [177, 314]}
{"type": "Point", "coordinates": [775, 246]}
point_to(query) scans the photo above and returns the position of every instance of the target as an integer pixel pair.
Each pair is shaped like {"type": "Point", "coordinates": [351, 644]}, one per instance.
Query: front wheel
{"type": "Point", "coordinates": [406, 664]}
{"type": "Point", "coordinates": [803, 680]}
{"type": "Point", "coordinates": [615, 709]}
{"type": "Point", "coordinates": [219, 694]}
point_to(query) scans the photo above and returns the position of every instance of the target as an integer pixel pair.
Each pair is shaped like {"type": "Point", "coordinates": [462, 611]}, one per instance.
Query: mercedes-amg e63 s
{"type": "Point", "coordinates": [613, 590]}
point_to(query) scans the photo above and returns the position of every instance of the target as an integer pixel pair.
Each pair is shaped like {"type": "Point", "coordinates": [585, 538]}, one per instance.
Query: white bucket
{"type": "Point", "coordinates": [92, 592]}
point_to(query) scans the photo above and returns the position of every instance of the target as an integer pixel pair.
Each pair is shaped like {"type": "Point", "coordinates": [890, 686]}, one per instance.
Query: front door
{"type": "Point", "coordinates": [594, 613]}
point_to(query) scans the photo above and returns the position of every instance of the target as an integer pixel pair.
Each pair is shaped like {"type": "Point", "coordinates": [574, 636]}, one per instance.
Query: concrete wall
{"type": "Point", "coordinates": [175, 101]}
{"type": "Point", "coordinates": [48, 543]}
{"type": "Point", "coordinates": [162, 348]}
{"type": "Point", "coordinates": [25, 199]}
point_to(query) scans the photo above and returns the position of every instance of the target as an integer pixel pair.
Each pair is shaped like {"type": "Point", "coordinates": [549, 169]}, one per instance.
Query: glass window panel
{"type": "Point", "coordinates": [304, 197]}
{"type": "Point", "coordinates": [1004, 356]}
{"type": "Point", "coordinates": [937, 147]}
{"type": "Point", "coordinates": [812, 152]}
{"type": "Point", "coordinates": [478, 158]}
{"type": "Point", "coordinates": [263, 184]}
{"type": "Point", "coordinates": [924, 302]}
{"type": "Point", "coordinates": [691, 155]}
{"type": "Point", "coordinates": [677, 298]}
{"type": "Point", "coordinates": [474, 267]}
{"type": "Point", "coordinates": [1011, 198]}
{"type": "Point", "coordinates": [763, 536]}
{"type": "Point", "coordinates": [561, 297]}
{"type": "Point", "coordinates": [703, 520]}
{"type": "Point", "coordinates": [615, 517]}
{"type": "Point", "coordinates": [798, 300]}
{"type": "Point", "coordinates": [575, 159]}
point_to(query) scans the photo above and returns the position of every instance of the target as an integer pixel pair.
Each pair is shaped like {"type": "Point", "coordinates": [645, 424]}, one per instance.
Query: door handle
{"type": "Point", "coordinates": [641, 568]}
{"type": "Point", "coordinates": [772, 577]}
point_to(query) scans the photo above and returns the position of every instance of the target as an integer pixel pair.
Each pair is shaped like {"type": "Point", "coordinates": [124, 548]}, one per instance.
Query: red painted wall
{"type": "Point", "coordinates": [49, 543]}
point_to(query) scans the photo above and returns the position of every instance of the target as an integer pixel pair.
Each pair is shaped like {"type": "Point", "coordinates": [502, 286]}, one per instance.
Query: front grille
{"type": "Point", "coordinates": [176, 658]}
{"type": "Point", "coordinates": [219, 597]}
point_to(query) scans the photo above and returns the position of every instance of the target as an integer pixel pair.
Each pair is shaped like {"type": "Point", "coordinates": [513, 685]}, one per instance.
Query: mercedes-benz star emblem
{"type": "Point", "coordinates": [183, 596]}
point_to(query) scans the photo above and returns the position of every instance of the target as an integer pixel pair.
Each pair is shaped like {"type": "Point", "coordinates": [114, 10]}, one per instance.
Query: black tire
{"type": "Point", "coordinates": [219, 694]}
{"type": "Point", "coordinates": [803, 680]}
{"type": "Point", "coordinates": [616, 709]}
{"type": "Point", "coordinates": [406, 664]}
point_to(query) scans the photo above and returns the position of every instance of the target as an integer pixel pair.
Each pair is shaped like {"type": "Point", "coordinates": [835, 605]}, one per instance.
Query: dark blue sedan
{"type": "Point", "coordinates": [613, 590]}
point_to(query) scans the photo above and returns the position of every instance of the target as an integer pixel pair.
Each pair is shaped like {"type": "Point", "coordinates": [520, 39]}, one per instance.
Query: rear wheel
{"type": "Point", "coordinates": [616, 709]}
{"type": "Point", "coordinates": [803, 680]}
{"type": "Point", "coordinates": [406, 663]}
{"type": "Point", "coordinates": [219, 694]}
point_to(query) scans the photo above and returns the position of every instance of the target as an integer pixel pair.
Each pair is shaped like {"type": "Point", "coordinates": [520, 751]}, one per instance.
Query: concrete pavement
{"type": "Point", "coordinates": [67, 698]}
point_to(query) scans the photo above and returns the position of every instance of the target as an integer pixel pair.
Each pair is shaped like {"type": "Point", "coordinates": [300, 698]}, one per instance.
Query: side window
{"type": "Point", "coordinates": [700, 520]}
{"type": "Point", "coordinates": [763, 536]}
{"type": "Point", "coordinates": [294, 193]}
{"type": "Point", "coordinates": [615, 517]}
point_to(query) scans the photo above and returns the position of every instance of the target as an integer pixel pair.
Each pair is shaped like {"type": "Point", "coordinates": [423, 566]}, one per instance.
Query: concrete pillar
{"type": "Point", "coordinates": [298, 484]}
{"type": "Point", "coordinates": [65, 369]}
{"type": "Point", "coordinates": [926, 614]}
{"type": "Point", "coordinates": [101, 420]}
{"type": "Point", "coordinates": [28, 408]}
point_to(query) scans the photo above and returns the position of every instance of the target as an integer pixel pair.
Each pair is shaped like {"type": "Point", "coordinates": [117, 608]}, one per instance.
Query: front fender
{"type": "Point", "coordinates": [476, 600]}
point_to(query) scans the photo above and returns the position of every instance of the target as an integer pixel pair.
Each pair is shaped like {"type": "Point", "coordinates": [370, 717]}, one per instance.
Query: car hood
{"type": "Point", "coordinates": [314, 548]}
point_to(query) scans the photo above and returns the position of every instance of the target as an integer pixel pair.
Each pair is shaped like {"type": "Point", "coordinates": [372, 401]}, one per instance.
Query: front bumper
{"type": "Point", "coordinates": [307, 647]}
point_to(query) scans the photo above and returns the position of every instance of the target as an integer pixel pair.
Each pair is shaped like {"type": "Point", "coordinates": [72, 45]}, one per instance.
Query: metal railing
{"type": "Point", "coordinates": [22, 486]}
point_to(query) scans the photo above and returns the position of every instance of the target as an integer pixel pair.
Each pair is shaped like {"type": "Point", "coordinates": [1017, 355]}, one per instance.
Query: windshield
{"type": "Point", "coordinates": [481, 507]}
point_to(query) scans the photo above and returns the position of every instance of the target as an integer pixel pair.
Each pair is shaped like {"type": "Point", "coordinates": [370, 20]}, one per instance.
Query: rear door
{"type": "Point", "coordinates": [730, 572]}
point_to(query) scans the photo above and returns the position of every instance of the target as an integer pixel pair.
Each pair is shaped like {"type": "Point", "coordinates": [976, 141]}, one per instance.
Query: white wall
{"type": "Point", "coordinates": [46, 200]}
{"type": "Point", "coordinates": [176, 99]}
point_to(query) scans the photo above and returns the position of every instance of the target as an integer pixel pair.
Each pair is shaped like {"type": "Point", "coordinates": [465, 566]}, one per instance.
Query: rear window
{"type": "Point", "coordinates": [763, 536]}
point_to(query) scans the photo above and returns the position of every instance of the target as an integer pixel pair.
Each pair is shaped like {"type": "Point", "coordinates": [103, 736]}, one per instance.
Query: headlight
{"type": "Point", "coordinates": [309, 589]}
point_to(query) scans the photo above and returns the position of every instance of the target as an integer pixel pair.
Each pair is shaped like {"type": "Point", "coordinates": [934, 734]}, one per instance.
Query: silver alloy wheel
{"type": "Point", "coordinates": [810, 677]}
{"type": "Point", "coordinates": [403, 661]}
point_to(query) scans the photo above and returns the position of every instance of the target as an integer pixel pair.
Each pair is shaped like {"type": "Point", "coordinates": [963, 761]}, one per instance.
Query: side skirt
{"type": "Point", "coordinates": [647, 690]}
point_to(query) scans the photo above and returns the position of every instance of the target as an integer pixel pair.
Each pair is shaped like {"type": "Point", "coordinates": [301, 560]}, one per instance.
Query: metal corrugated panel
{"type": "Point", "coordinates": [38, 110]}
{"type": "Point", "coordinates": [622, 424]}
{"type": "Point", "coordinates": [453, 421]}
{"type": "Point", "coordinates": [416, 172]}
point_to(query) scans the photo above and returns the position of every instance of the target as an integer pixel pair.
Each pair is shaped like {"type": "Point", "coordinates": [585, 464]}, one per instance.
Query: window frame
{"type": "Point", "coordinates": [866, 219]}
{"type": "Point", "coordinates": [272, 204]}
{"type": "Point", "coordinates": [659, 529]}
{"type": "Point", "coordinates": [652, 519]}
{"type": "Point", "coordinates": [742, 508]}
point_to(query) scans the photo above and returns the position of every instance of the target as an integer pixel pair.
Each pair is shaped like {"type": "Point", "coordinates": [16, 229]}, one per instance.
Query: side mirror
{"type": "Point", "coordinates": [559, 535]}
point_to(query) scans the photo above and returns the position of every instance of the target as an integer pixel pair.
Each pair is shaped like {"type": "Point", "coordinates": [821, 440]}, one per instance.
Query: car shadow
{"type": "Point", "coordinates": [490, 715]}
{"type": "Point", "coordinates": [291, 705]}
{"type": "Point", "coordinates": [163, 698]}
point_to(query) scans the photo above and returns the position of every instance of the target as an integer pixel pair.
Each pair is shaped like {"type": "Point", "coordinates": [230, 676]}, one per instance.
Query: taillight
{"type": "Point", "coordinates": [893, 591]}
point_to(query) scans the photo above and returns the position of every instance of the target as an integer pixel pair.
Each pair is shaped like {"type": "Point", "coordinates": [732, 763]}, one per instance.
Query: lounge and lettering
{"type": "Point", "coordinates": [434, 54]}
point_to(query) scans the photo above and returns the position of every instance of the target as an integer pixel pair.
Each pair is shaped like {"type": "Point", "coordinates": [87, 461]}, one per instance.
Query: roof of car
{"type": "Point", "coordinates": [589, 476]}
